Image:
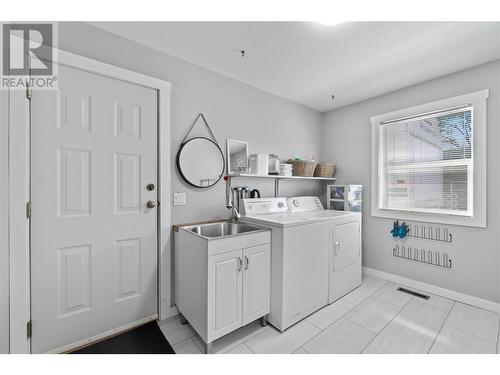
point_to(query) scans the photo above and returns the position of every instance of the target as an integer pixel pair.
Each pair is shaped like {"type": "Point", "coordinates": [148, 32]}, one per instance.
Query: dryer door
{"type": "Point", "coordinates": [346, 245]}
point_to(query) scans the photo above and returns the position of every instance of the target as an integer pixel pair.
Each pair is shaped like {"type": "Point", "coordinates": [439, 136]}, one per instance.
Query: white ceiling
{"type": "Point", "coordinates": [309, 62]}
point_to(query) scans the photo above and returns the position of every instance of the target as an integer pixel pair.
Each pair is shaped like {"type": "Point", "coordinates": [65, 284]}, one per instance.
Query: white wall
{"type": "Point", "coordinates": [272, 124]}
{"type": "Point", "coordinates": [475, 252]}
{"type": "Point", "coordinates": [233, 110]}
{"type": "Point", "coordinates": [4, 219]}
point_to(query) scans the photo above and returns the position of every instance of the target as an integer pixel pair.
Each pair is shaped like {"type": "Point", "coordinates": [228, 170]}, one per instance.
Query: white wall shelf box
{"type": "Point", "coordinates": [248, 175]}
{"type": "Point", "coordinates": [277, 179]}
{"type": "Point", "coordinates": [344, 197]}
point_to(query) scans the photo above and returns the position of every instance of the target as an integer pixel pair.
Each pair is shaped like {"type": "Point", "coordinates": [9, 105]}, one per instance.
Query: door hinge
{"type": "Point", "coordinates": [28, 210]}
{"type": "Point", "coordinates": [28, 90]}
{"type": "Point", "coordinates": [28, 328]}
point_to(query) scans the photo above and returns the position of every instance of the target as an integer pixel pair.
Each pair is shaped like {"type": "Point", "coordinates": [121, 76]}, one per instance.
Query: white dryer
{"type": "Point", "coordinates": [315, 254]}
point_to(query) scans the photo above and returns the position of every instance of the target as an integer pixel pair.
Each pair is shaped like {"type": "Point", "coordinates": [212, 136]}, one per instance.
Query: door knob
{"type": "Point", "coordinates": [151, 204]}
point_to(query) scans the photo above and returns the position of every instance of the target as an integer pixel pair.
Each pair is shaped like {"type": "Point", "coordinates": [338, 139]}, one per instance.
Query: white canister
{"type": "Point", "coordinates": [259, 164]}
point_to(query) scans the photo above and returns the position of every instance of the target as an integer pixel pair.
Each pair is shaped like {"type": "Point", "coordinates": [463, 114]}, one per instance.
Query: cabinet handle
{"type": "Point", "coordinates": [240, 262]}
{"type": "Point", "coordinates": [337, 248]}
{"type": "Point", "coordinates": [247, 262]}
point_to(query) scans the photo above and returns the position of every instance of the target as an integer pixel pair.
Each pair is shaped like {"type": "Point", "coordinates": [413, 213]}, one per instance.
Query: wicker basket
{"type": "Point", "coordinates": [325, 170]}
{"type": "Point", "coordinates": [304, 168]}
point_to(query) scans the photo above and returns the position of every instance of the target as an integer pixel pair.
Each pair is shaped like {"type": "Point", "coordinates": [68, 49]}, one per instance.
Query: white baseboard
{"type": "Point", "coordinates": [174, 311]}
{"type": "Point", "coordinates": [103, 335]}
{"type": "Point", "coordinates": [443, 292]}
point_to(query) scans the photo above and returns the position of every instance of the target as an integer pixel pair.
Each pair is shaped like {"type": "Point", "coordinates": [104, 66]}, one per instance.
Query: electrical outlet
{"type": "Point", "coordinates": [179, 199]}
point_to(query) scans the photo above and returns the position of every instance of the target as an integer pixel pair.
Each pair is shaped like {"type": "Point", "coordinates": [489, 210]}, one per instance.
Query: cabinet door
{"type": "Point", "coordinates": [346, 245]}
{"type": "Point", "coordinates": [256, 282]}
{"type": "Point", "coordinates": [224, 293]}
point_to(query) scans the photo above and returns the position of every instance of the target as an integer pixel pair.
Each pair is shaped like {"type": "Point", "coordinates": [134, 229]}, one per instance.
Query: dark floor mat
{"type": "Point", "coordinates": [146, 339]}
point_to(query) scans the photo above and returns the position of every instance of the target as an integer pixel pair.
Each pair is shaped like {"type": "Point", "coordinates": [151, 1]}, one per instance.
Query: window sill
{"type": "Point", "coordinates": [467, 221]}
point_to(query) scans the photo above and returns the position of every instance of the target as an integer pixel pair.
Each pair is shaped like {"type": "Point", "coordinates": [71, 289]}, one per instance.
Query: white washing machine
{"type": "Point", "coordinates": [315, 254]}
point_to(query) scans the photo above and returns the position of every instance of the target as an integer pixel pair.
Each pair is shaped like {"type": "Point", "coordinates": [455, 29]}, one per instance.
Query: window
{"type": "Point", "coordinates": [426, 165]}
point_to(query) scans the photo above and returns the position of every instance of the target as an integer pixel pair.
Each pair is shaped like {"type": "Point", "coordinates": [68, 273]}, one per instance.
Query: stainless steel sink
{"type": "Point", "coordinates": [222, 229]}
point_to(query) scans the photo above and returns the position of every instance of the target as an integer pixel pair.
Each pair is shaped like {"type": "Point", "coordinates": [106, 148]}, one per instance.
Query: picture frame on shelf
{"type": "Point", "coordinates": [344, 197]}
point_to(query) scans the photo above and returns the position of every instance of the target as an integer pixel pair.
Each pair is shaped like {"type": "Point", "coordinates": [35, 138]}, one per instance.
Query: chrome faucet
{"type": "Point", "coordinates": [241, 192]}
{"type": "Point", "coordinates": [235, 214]}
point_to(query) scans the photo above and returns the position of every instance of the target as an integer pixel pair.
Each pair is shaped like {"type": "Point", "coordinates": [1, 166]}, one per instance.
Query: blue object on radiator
{"type": "Point", "coordinates": [403, 230]}
{"type": "Point", "coordinates": [395, 229]}
{"type": "Point", "coordinates": [400, 231]}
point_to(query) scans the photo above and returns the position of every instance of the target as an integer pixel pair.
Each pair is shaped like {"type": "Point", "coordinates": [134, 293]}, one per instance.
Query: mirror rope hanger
{"type": "Point", "coordinates": [208, 127]}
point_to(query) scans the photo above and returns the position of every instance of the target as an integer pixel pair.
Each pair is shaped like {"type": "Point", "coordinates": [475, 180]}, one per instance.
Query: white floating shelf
{"type": "Point", "coordinates": [247, 175]}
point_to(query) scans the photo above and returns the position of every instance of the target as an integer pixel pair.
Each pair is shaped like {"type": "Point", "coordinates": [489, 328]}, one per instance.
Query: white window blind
{"type": "Point", "coordinates": [426, 163]}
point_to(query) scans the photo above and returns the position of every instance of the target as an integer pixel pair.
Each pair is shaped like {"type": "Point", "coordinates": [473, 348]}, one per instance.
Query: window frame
{"type": "Point", "coordinates": [476, 214]}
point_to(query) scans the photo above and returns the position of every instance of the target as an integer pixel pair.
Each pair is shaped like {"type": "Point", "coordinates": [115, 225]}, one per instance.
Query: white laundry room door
{"type": "Point", "coordinates": [93, 214]}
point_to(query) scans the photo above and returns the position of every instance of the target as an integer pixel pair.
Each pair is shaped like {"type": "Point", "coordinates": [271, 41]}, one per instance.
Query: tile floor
{"type": "Point", "coordinates": [374, 318]}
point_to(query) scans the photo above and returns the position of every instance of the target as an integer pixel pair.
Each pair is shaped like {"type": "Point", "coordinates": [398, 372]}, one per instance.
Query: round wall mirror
{"type": "Point", "coordinates": [200, 162]}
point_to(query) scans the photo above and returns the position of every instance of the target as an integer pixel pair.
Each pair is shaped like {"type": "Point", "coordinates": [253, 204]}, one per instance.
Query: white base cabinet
{"type": "Point", "coordinates": [225, 294]}
{"type": "Point", "coordinates": [256, 282]}
{"type": "Point", "coordinates": [222, 284]}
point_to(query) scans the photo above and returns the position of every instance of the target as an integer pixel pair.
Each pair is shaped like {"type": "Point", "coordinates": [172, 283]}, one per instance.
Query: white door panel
{"type": "Point", "coordinates": [256, 282]}
{"type": "Point", "coordinates": [346, 245]}
{"type": "Point", "coordinates": [93, 240]}
{"type": "Point", "coordinates": [224, 293]}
